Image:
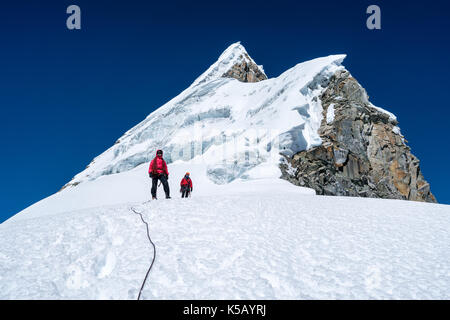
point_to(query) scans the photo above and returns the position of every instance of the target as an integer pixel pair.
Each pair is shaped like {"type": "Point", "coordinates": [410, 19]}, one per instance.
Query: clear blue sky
{"type": "Point", "coordinates": [66, 96]}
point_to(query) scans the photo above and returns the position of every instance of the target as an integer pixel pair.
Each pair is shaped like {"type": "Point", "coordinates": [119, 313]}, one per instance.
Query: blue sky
{"type": "Point", "coordinates": [66, 96]}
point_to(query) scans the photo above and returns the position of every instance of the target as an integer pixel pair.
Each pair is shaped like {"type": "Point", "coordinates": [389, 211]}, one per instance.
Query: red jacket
{"type": "Point", "coordinates": [185, 181]}
{"type": "Point", "coordinates": [158, 166]}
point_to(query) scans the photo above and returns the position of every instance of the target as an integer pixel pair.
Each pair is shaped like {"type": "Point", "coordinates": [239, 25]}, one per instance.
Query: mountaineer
{"type": "Point", "coordinates": [186, 186]}
{"type": "Point", "coordinates": [158, 171]}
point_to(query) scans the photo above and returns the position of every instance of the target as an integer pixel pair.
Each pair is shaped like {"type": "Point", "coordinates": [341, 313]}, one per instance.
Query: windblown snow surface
{"type": "Point", "coordinates": [251, 239]}
{"type": "Point", "coordinates": [244, 233]}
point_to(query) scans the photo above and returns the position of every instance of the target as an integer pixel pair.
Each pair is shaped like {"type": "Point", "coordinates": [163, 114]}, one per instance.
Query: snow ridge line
{"type": "Point", "coordinates": [154, 252]}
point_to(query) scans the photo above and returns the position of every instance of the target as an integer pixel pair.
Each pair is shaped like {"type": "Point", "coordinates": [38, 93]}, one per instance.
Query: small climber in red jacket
{"type": "Point", "coordinates": [186, 186]}
{"type": "Point", "coordinates": [158, 171]}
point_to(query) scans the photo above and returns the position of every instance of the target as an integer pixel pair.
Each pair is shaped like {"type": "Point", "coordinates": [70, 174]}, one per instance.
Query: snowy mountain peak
{"type": "Point", "coordinates": [206, 122]}
{"type": "Point", "coordinates": [236, 63]}
{"type": "Point", "coordinates": [234, 49]}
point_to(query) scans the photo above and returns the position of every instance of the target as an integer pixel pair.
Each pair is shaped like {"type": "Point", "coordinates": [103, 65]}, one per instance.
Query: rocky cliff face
{"type": "Point", "coordinates": [363, 153]}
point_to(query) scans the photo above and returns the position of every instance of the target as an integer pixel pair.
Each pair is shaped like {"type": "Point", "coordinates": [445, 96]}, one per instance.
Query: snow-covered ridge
{"type": "Point", "coordinates": [206, 121]}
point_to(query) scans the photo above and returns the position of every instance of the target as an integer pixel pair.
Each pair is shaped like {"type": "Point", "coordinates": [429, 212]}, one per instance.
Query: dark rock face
{"type": "Point", "coordinates": [245, 71]}
{"type": "Point", "coordinates": [362, 154]}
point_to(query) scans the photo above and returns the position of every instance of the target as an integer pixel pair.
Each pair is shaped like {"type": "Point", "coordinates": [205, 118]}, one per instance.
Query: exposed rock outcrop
{"type": "Point", "coordinates": [246, 70]}
{"type": "Point", "coordinates": [362, 154]}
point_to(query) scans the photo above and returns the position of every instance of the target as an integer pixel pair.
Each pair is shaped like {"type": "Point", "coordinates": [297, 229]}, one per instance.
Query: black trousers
{"type": "Point", "coordinates": [185, 190]}
{"type": "Point", "coordinates": [164, 182]}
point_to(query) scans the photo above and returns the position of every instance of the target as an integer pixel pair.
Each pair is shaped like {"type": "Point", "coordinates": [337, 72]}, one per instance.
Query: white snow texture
{"type": "Point", "coordinates": [244, 233]}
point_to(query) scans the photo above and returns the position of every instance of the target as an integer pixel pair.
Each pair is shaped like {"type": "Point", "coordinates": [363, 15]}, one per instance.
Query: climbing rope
{"type": "Point", "coordinates": [154, 251]}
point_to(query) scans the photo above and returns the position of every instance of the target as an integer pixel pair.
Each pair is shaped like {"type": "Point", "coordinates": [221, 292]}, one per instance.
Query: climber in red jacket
{"type": "Point", "coordinates": [186, 186]}
{"type": "Point", "coordinates": [158, 171]}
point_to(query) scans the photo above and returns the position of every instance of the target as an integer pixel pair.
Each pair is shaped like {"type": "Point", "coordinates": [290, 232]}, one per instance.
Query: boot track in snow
{"type": "Point", "coordinates": [154, 251]}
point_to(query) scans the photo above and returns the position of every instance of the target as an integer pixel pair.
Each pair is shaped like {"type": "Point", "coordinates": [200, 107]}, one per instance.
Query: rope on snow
{"type": "Point", "coordinates": [154, 251]}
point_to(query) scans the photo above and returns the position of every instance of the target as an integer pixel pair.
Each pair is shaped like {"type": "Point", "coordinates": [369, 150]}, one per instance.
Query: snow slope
{"type": "Point", "coordinates": [261, 239]}
{"type": "Point", "coordinates": [244, 234]}
{"type": "Point", "coordinates": [134, 186]}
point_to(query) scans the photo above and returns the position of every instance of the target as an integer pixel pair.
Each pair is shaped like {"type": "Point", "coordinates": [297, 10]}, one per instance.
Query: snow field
{"type": "Point", "coordinates": [100, 253]}
{"type": "Point", "coordinates": [285, 246]}
{"type": "Point", "coordinates": [267, 244]}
